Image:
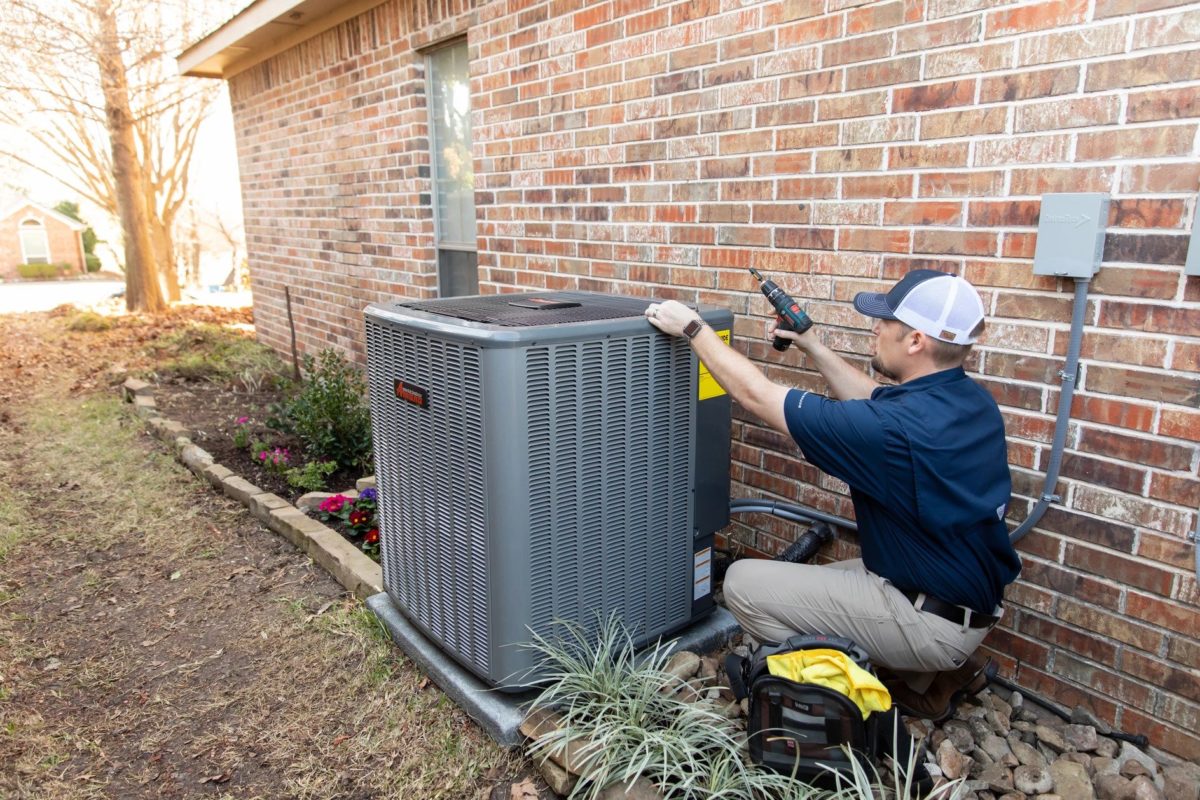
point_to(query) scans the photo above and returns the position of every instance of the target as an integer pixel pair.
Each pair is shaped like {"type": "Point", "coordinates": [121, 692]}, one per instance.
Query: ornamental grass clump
{"type": "Point", "coordinates": [621, 719]}
{"type": "Point", "coordinates": [619, 713]}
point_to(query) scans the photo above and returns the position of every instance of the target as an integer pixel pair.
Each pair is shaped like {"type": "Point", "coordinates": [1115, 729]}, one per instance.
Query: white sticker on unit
{"type": "Point", "coordinates": [703, 574]}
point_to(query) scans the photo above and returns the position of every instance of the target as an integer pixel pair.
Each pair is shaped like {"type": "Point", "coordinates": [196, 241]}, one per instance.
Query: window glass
{"type": "Point", "coordinates": [453, 172]}
{"type": "Point", "coordinates": [34, 245]}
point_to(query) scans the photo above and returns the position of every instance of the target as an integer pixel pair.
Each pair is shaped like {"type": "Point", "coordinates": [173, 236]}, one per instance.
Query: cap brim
{"type": "Point", "coordinates": [873, 304]}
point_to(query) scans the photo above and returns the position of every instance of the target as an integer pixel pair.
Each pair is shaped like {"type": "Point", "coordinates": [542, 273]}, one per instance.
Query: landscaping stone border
{"type": "Point", "coordinates": [348, 565]}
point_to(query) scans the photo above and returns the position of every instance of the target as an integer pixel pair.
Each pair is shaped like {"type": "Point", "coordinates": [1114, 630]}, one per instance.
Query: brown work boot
{"type": "Point", "coordinates": [947, 689]}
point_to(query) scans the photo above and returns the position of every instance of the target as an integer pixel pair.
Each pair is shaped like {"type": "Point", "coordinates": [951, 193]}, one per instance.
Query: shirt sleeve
{"type": "Point", "coordinates": [843, 438]}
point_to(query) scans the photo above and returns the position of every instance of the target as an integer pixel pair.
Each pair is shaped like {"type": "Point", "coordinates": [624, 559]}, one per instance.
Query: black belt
{"type": "Point", "coordinates": [924, 602]}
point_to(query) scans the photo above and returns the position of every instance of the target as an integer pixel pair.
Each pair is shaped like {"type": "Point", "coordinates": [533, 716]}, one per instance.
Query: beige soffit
{"type": "Point", "coordinates": [263, 29]}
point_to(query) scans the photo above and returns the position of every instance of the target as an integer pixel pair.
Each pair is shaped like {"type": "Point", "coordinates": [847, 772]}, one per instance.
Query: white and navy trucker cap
{"type": "Point", "coordinates": [937, 304]}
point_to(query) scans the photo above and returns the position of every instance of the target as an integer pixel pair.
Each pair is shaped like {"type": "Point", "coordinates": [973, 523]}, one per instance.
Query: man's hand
{"type": "Point", "coordinates": [800, 339]}
{"type": "Point", "coordinates": [670, 317]}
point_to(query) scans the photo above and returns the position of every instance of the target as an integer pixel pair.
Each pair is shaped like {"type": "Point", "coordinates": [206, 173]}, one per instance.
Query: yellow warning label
{"type": "Point", "coordinates": [708, 384]}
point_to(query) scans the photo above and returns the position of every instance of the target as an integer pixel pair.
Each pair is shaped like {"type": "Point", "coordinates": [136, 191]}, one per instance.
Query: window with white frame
{"type": "Point", "coordinates": [35, 245]}
{"type": "Point", "coordinates": [452, 171]}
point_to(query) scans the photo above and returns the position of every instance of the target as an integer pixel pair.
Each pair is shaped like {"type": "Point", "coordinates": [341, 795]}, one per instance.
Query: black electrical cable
{"type": "Point", "coordinates": [1136, 739]}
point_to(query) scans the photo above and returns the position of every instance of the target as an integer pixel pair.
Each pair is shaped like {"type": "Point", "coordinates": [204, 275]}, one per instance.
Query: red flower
{"type": "Point", "coordinates": [372, 536]}
{"type": "Point", "coordinates": [359, 517]}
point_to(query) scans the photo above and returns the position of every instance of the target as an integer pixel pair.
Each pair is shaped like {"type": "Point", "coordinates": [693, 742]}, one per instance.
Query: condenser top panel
{"type": "Point", "coordinates": [528, 310]}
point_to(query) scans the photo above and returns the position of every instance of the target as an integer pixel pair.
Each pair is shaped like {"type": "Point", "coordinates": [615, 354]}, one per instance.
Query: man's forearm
{"type": "Point", "coordinates": [744, 381]}
{"type": "Point", "coordinates": [846, 381]}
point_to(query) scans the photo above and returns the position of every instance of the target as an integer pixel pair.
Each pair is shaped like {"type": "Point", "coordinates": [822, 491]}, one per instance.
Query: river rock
{"type": "Point", "coordinates": [1052, 738]}
{"type": "Point", "coordinates": [1029, 779]}
{"type": "Point", "coordinates": [641, 789]}
{"type": "Point", "coordinates": [1128, 752]}
{"type": "Point", "coordinates": [1107, 747]}
{"type": "Point", "coordinates": [1082, 759]}
{"type": "Point", "coordinates": [1081, 737]}
{"type": "Point", "coordinates": [1182, 782]}
{"type": "Point", "coordinates": [1144, 789]}
{"type": "Point", "coordinates": [1026, 754]}
{"type": "Point", "coordinates": [960, 734]}
{"type": "Point", "coordinates": [1081, 716]}
{"type": "Point", "coordinates": [953, 764]}
{"type": "Point", "coordinates": [999, 778]}
{"type": "Point", "coordinates": [683, 665]}
{"type": "Point", "coordinates": [557, 778]}
{"type": "Point", "coordinates": [1071, 781]}
{"type": "Point", "coordinates": [1113, 787]}
{"type": "Point", "coordinates": [1131, 769]}
{"type": "Point", "coordinates": [997, 747]}
{"type": "Point", "coordinates": [999, 721]}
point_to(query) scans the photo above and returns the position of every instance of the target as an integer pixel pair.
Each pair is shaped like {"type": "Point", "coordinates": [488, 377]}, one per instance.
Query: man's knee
{"type": "Point", "coordinates": [736, 584]}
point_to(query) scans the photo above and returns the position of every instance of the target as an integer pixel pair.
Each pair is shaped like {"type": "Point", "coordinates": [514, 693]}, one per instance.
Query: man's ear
{"type": "Point", "coordinates": [917, 342]}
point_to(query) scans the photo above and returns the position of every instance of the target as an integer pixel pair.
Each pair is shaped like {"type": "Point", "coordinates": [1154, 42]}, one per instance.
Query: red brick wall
{"type": "Point", "coordinates": [65, 244]}
{"type": "Point", "coordinates": [660, 148]}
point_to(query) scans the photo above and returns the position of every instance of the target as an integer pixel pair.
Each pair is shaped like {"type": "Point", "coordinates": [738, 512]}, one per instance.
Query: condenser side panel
{"type": "Point", "coordinates": [427, 404]}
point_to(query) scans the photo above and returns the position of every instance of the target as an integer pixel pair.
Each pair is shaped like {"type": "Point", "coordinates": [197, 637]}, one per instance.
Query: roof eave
{"type": "Point", "coordinates": [261, 30]}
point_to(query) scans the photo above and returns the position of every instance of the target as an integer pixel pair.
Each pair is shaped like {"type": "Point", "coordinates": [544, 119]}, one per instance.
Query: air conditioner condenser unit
{"type": "Point", "coordinates": [543, 457]}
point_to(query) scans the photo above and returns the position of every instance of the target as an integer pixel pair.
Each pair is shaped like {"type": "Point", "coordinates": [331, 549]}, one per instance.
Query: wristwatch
{"type": "Point", "coordinates": [694, 327]}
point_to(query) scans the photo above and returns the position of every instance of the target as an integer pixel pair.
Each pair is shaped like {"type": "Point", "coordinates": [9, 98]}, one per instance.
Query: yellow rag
{"type": "Point", "coordinates": [834, 670]}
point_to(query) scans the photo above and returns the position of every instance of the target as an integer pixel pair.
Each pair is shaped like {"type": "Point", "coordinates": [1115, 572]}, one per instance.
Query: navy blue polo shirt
{"type": "Point", "coordinates": [927, 466]}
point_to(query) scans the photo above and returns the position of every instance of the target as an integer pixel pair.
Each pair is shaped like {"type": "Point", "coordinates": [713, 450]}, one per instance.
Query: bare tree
{"type": "Point", "coordinates": [93, 83]}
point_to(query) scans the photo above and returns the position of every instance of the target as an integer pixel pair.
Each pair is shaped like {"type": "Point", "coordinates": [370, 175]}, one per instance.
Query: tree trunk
{"type": "Point", "coordinates": [164, 251]}
{"type": "Point", "coordinates": [142, 292]}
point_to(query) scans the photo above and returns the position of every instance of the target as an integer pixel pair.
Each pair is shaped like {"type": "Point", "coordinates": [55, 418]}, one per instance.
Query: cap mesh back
{"type": "Point", "coordinates": [945, 307]}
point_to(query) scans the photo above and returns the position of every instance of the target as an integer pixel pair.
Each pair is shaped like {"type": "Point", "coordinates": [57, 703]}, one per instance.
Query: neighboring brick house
{"type": "Point", "coordinates": [33, 234]}
{"type": "Point", "coordinates": [655, 147]}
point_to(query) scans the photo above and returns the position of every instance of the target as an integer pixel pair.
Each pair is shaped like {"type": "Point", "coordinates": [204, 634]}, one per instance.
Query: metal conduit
{"type": "Point", "coordinates": [1069, 375]}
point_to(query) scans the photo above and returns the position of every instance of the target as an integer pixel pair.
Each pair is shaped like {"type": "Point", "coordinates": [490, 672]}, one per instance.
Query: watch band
{"type": "Point", "coordinates": [694, 327]}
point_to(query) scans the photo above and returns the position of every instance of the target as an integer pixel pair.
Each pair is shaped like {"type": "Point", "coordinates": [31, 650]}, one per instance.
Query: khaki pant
{"type": "Point", "coordinates": [773, 600]}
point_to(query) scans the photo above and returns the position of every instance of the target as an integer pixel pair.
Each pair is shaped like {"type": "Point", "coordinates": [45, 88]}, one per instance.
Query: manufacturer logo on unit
{"type": "Point", "coordinates": [411, 393]}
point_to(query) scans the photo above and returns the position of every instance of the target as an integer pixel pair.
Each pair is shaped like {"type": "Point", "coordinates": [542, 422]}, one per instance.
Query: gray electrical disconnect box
{"type": "Point", "coordinates": [1192, 267]}
{"type": "Point", "coordinates": [1070, 240]}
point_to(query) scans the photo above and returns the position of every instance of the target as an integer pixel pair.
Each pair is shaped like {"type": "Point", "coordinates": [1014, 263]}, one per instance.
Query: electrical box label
{"type": "Point", "coordinates": [708, 384]}
{"type": "Point", "coordinates": [702, 574]}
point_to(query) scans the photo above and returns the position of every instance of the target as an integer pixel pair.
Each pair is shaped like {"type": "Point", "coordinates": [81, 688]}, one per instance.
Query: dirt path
{"type": "Point", "coordinates": [156, 641]}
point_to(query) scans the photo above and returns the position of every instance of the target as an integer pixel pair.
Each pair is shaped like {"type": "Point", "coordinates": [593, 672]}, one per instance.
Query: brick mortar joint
{"type": "Point", "coordinates": [362, 570]}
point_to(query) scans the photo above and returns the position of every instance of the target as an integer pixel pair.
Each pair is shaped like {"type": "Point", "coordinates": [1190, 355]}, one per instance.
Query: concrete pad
{"type": "Point", "coordinates": [499, 713]}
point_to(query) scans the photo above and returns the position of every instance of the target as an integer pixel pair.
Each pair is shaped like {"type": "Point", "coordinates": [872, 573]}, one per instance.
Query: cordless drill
{"type": "Point", "coordinates": [791, 316]}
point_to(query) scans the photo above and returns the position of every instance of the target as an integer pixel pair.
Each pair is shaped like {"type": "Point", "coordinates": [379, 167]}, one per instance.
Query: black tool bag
{"type": "Point", "coordinates": [802, 729]}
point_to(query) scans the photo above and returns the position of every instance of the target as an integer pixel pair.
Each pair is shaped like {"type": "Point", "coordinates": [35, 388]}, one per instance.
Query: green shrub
{"type": "Point", "coordinates": [93, 262]}
{"type": "Point", "coordinates": [39, 271]}
{"type": "Point", "coordinates": [330, 414]}
{"type": "Point", "coordinates": [311, 477]}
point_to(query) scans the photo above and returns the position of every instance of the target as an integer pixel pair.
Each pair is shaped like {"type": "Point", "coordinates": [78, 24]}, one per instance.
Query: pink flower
{"type": "Point", "coordinates": [263, 455]}
{"type": "Point", "coordinates": [332, 505]}
{"type": "Point", "coordinates": [242, 420]}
